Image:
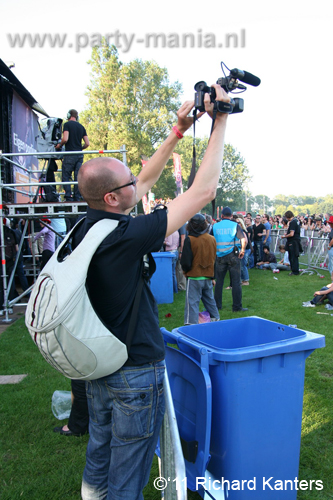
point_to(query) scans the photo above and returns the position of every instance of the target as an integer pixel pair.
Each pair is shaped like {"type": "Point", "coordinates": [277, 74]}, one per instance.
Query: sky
{"type": "Point", "coordinates": [284, 133]}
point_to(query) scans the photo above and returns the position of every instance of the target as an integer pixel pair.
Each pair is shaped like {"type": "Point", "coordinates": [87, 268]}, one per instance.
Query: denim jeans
{"type": "Point", "coordinates": [126, 411]}
{"type": "Point", "coordinates": [318, 299]}
{"type": "Point", "coordinates": [196, 290]}
{"type": "Point", "coordinates": [232, 263]}
{"type": "Point", "coordinates": [251, 260]}
{"type": "Point", "coordinates": [244, 265]}
{"type": "Point", "coordinates": [271, 265]}
{"type": "Point", "coordinates": [70, 164]}
{"type": "Point", "coordinates": [258, 251]}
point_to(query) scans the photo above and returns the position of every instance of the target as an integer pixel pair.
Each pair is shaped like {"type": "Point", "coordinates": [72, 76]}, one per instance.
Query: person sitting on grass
{"type": "Point", "coordinates": [283, 264]}
{"type": "Point", "coordinates": [269, 260]}
{"type": "Point", "coordinates": [319, 297]}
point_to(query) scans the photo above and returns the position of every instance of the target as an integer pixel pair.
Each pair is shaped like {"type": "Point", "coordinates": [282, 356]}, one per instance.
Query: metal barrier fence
{"type": "Point", "coordinates": [172, 480]}
{"type": "Point", "coordinates": [315, 248]}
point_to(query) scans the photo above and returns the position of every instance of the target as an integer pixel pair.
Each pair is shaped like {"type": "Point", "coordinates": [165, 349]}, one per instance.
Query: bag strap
{"type": "Point", "coordinates": [134, 315]}
{"type": "Point", "coordinates": [145, 276]}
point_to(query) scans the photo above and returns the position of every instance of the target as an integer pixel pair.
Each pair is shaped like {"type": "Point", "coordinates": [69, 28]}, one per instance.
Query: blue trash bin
{"type": "Point", "coordinates": [255, 371]}
{"type": "Point", "coordinates": [161, 282]}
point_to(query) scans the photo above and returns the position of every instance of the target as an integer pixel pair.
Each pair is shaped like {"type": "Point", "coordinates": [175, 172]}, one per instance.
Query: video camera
{"type": "Point", "coordinates": [229, 83]}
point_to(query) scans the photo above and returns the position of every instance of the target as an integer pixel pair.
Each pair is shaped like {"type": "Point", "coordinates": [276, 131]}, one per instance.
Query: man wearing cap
{"type": "Point", "coordinates": [197, 261]}
{"type": "Point", "coordinates": [231, 243]}
{"type": "Point", "coordinates": [330, 247]}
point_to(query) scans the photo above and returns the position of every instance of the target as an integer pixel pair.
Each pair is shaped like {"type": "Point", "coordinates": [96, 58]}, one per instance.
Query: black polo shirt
{"type": "Point", "coordinates": [113, 276]}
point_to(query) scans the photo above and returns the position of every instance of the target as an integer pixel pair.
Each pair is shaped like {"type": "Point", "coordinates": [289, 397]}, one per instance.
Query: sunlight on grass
{"type": "Point", "coordinates": [37, 464]}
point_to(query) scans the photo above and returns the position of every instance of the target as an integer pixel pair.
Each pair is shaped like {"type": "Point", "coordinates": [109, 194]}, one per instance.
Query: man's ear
{"type": "Point", "coordinates": [111, 199]}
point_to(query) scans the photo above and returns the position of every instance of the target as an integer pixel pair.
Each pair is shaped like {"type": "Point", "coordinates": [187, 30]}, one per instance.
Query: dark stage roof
{"type": "Point", "coordinates": [8, 75]}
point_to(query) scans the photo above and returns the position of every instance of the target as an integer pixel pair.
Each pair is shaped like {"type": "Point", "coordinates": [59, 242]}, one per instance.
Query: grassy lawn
{"type": "Point", "coordinates": [37, 464]}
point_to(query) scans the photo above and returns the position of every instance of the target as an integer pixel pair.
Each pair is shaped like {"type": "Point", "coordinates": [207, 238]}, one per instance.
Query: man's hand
{"type": "Point", "coordinates": [185, 121]}
{"type": "Point", "coordinates": [317, 293]}
{"type": "Point", "coordinates": [241, 254]}
{"type": "Point", "coordinates": [221, 95]}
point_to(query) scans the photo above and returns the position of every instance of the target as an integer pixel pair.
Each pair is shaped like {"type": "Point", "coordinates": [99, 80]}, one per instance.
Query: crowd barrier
{"type": "Point", "coordinates": [315, 248]}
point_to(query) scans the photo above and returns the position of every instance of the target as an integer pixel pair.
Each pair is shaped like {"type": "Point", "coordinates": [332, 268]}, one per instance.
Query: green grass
{"type": "Point", "coordinates": [37, 464]}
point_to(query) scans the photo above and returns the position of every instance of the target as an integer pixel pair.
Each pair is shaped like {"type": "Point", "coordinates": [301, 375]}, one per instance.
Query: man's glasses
{"type": "Point", "coordinates": [132, 183]}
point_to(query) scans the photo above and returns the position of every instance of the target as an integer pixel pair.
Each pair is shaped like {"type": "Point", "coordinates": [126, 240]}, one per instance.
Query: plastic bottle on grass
{"type": "Point", "coordinates": [61, 404]}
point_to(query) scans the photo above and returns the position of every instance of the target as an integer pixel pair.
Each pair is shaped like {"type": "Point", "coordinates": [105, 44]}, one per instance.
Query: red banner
{"type": "Point", "coordinates": [178, 172]}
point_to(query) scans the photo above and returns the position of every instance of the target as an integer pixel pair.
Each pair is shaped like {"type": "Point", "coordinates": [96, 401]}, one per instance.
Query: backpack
{"type": "Point", "coordinates": [61, 319]}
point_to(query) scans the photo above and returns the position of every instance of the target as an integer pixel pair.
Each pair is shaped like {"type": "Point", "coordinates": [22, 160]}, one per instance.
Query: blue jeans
{"type": "Point", "coordinates": [232, 263]}
{"type": "Point", "coordinates": [258, 251]}
{"type": "Point", "coordinates": [244, 265]}
{"type": "Point", "coordinates": [272, 266]}
{"type": "Point", "coordinates": [126, 411]}
{"type": "Point", "coordinates": [70, 164]}
{"type": "Point", "coordinates": [319, 299]}
{"type": "Point", "coordinates": [196, 290]}
{"type": "Point", "coordinates": [251, 260]}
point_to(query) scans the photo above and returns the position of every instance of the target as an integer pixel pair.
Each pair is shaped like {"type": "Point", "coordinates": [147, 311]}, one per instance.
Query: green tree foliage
{"type": "Point", "coordinates": [233, 177]}
{"type": "Point", "coordinates": [132, 104]}
{"type": "Point", "coordinates": [326, 206]}
{"type": "Point", "coordinates": [303, 205]}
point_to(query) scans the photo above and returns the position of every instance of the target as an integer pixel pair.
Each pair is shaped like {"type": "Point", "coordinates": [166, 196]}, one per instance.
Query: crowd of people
{"type": "Point", "coordinates": [241, 242]}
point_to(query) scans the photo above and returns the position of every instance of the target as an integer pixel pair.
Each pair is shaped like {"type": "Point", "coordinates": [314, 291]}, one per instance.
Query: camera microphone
{"type": "Point", "coordinates": [245, 77]}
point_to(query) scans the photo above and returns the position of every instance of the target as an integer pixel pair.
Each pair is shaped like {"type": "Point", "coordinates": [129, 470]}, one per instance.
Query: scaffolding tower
{"type": "Point", "coordinates": [34, 210]}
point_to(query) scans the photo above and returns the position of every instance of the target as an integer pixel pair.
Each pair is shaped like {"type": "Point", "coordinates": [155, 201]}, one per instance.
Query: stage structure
{"type": "Point", "coordinates": [34, 208]}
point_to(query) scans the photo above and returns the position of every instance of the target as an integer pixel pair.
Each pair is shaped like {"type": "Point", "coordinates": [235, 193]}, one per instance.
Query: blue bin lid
{"type": "Point", "coordinates": [162, 255]}
{"type": "Point", "coordinates": [191, 390]}
{"type": "Point", "coordinates": [248, 338]}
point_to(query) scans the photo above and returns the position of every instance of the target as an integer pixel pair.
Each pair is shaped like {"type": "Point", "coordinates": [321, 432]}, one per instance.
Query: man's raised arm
{"type": "Point", "coordinates": [203, 189]}
{"type": "Point", "coordinates": [154, 167]}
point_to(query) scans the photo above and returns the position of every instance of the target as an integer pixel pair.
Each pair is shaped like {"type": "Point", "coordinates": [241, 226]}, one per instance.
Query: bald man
{"type": "Point", "coordinates": [126, 408]}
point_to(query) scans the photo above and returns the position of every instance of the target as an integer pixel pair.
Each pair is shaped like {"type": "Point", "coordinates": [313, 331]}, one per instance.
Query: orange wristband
{"type": "Point", "coordinates": [176, 131]}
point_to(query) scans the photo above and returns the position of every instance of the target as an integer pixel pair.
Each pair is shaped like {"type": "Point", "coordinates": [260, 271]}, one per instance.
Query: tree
{"type": "Point", "coordinates": [233, 178]}
{"type": "Point", "coordinates": [262, 203]}
{"type": "Point", "coordinates": [132, 104]}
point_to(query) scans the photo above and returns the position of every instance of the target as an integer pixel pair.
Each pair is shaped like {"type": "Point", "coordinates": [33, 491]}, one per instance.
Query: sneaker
{"type": "Point", "coordinates": [308, 304]}
{"type": "Point", "coordinates": [214, 319]}
{"type": "Point", "coordinates": [245, 283]}
{"type": "Point", "coordinates": [276, 270]}
{"type": "Point", "coordinates": [329, 307]}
